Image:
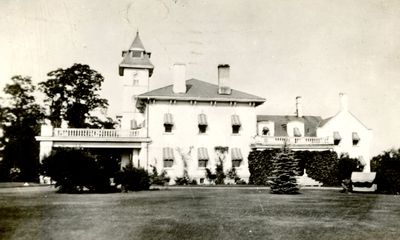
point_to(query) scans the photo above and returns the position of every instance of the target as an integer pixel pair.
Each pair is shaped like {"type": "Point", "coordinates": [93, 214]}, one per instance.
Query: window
{"type": "Point", "coordinates": [235, 129]}
{"type": "Point", "coordinates": [336, 138]}
{"type": "Point", "coordinates": [237, 157]}
{"type": "Point", "coordinates": [168, 128]}
{"type": "Point", "coordinates": [356, 138]}
{"type": "Point", "coordinates": [168, 157]}
{"type": "Point", "coordinates": [202, 123]}
{"type": "Point", "coordinates": [135, 82]}
{"type": "Point", "coordinates": [296, 132]}
{"type": "Point", "coordinates": [265, 131]}
{"type": "Point", "coordinates": [202, 156]}
{"type": "Point", "coordinates": [202, 128]}
{"type": "Point", "coordinates": [235, 124]}
{"type": "Point", "coordinates": [168, 122]}
{"type": "Point", "coordinates": [136, 54]}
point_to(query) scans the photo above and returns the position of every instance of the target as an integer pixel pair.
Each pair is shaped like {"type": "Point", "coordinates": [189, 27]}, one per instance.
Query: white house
{"type": "Point", "coordinates": [193, 118]}
{"type": "Point", "coordinates": [342, 133]}
{"type": "Point", "coordinates": [192, 124]}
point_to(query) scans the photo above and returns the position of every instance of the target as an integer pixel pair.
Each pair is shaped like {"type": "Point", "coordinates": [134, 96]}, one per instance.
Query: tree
{"type": "Point", "coordinates": [387, 168]}
{"type": "Point", "coordinates": [20, 121]}
{"type": "Point", "coordinates": [285, 170]}
{"type": "Point", "coordinates": [72, 95]}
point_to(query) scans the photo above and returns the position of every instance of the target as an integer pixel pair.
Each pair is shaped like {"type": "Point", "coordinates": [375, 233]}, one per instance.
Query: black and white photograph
{"type": "Point", "coordinates": [179, 119]}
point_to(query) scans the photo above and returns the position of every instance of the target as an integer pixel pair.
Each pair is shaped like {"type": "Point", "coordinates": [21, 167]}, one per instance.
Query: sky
{"type": "Point", "coordinates": [276, 49]}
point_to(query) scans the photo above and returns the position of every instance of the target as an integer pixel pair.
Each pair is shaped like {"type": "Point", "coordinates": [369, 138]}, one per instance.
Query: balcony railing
{"type": "Point", "coordinates": [94, 133]}
{"type": "Point", "coordinates": [268, 140]}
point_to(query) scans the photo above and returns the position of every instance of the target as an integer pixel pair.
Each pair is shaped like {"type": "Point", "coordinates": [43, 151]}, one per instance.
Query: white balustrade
{"type": "Point", "coordinates": [268, 140]}
{"type": "Point", "coordinates": [95, 133]}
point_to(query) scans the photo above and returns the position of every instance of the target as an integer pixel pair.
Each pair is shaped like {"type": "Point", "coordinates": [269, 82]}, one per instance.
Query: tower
{"type": "Point", "coordinates": [134, 71]}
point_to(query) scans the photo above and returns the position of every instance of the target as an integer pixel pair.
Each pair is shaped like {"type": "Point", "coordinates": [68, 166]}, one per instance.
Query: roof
{"type": "Point", "coordinates": [310, 123]}
{"type": "Point", "coordinates": [137, 43]}
{"type": "Point", "coordinates": [129, 61]}
{"type": "Point", "coordinates": [198, 90]}
{"type": "Point", "coordinates": [324, 121]}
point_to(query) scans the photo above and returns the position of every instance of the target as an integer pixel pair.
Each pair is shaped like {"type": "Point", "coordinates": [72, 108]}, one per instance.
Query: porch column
{"type": "Point", "coordinates": [46, 130]}
{"type": "Point", "coordinates": [143, 156]}
{"type": "Point", "coordinates": [45, 149]}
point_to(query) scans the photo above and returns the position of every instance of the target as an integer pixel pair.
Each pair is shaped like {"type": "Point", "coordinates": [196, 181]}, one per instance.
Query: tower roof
{"type": "Point", "coordinates": [137, 43]}
{"type": "Point", "coordinates": [136, 57]}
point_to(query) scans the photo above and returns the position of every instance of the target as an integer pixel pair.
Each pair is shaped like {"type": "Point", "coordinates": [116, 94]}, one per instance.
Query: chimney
{"type": "Point", "coordinates": [223, 80]}
{"type": "Point", "coordinates": [299, 107]}
{"type": "Point", "coordinates": [179, 71]}
{"type": "Point", "coordinates": [343, 102]}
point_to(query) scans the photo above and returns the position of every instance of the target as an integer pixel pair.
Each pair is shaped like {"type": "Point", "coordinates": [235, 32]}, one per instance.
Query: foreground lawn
{"type": "Point", "coordinates": [40, 213]}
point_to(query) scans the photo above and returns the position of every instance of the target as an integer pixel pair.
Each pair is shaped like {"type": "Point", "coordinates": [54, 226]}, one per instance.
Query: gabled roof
{"type": "Point", "coordinates": [198, 90]}
{"type": "Point", "coordinates": [325, 121]}
{"type": "Point", "coordinates": [310, 123]}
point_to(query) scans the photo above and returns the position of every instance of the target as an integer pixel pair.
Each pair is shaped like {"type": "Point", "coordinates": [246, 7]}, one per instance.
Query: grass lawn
{"type": "Point", "coordinates": [40, 213]}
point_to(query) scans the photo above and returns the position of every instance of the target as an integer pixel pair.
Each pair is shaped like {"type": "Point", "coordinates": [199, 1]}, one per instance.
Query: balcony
{"type": "Point", "coordinates": [92, 138]}
{"type": "Point", "coordinates": [95, 133]}
{"type": "Point", "coordinates": [293, 142]}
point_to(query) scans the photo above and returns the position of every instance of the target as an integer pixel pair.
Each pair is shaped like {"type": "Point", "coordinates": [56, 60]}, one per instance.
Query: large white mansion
{"type": "Point", "coordinates": [185, 125]}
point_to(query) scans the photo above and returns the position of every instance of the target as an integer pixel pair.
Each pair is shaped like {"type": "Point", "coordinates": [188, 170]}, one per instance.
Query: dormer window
{"type": "Point", "coordinates": [296, 132]}
{"type": "Point", "coordinates": [356, 138]}
{"type": "Point", "coordinates": [168, 122]}
{"type": "Point", "coordinates": [235, 124]}
{"type": "Point", "coordinates": [265, 131]}
{"type": "Point", "coordinates": [202, 123]}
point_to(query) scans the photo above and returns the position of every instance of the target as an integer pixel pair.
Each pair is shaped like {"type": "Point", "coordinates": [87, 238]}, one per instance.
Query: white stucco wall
{"type": "Point", "coordinates": [345, 123]}
{"type": "Point", "coordinates": [185, 133]}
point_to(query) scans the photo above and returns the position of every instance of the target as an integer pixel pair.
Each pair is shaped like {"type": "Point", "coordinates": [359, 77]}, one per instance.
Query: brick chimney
{"type": "Point", "coordinates": [179, 72]}
{"type": "Point", "coordinates": [223, 80]}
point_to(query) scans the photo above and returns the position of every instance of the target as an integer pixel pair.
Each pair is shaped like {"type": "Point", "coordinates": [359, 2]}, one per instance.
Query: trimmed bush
{"type": "Point", "coordinates": [133, 179]}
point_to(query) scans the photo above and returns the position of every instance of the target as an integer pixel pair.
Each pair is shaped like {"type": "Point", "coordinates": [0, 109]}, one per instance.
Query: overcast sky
{"type": "Point", "coordinates": [276, 49]}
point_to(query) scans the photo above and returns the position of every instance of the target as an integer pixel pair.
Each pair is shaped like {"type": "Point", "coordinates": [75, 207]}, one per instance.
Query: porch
{"type": "Point", "coordinates": [135, 142]}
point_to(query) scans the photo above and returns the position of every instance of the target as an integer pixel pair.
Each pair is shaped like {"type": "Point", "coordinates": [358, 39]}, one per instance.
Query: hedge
{"type": "Point", "coordinates": [323, 166]}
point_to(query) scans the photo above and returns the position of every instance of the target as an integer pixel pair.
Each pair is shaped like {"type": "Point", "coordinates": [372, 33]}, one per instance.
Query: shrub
{"type": "Point", "coordinates": [210, 176]}
{"type": "Point", "coordinates": [182, 180]}
{"type": "Point", "coordinates": [133, 179]}
{"type": "Point", "coordinates": [285, 169]}
{"type": "Point", "coordinates": [260, 166]}
{"type": "Point", "coordinates": [323, 166]}
{"type": "Point", "coordinates": [220, 175]}
{"type": "Point", "coordinates": [387, 168]}
{"type": "Point", "coordinates": [76, 170]}
{"type": "Point", "coordinates": [159, 179]}
{"type": "Point", "coordinates": [348, 165]}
